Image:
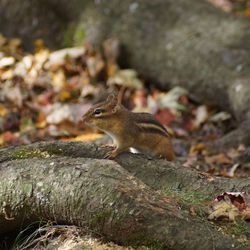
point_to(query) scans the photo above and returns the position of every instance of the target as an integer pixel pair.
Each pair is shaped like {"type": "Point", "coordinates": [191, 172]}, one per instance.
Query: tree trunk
{"type": "Point", "coordinates": [66, 182]}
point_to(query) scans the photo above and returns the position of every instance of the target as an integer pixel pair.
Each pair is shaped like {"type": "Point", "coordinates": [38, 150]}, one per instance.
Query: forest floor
{"type": "Point", "coordinates": [44, 94]}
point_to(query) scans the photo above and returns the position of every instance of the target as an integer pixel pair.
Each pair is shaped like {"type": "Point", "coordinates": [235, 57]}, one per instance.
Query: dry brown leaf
{"type": "Point", "coordinates": [230, 205]}
{"type": "Point", "coordinates": [41, 120]}
{"type": "Point", "coordinates": [7, 137]}
{"type": "Point", "coordinates": [3, 110]}
{"type": "Point", "coordinates": [64, 95]}
{"type": "Point", "coordinates": [218, 159]}
{"type": "Point", "coordinates": [198, 148]}
{"type": "Point", "coordinates": [165, 116]}
{"type": "Point", "coordinates": [245, 215]}
{"type": "Point", "coordinates": [223, 209]}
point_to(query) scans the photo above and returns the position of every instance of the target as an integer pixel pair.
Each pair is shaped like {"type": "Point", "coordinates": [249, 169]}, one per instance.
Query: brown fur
{"type": "Point", "coordinates": [127, 129]}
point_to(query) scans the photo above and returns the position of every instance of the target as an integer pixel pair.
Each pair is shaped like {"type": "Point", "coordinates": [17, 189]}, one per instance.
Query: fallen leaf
{"type": "Point", "coordinates": [171, 99]}
{"type": "Point", "coordinates": [66, 112]}
{"type": "Point", "coordinates": [127, 78]}
{"type": "Point", "coordinates": [95, 65]}
{"type": "Point", "coordinates": [245, 215]}
{"type": "Point", "coordinates": [201, 115]}
{"type": "Point", "coordinates": [8, 137]}
{"type": "Point", "coordinates": [232, 170]}
{"type": "Point", "coordinates": [86, 137]}
{"type": "Point", "coordinates": [58, 80]}
{"type": "Point", "coordinates": [3, 110]}
{"type": "Point", "coordinates": [13, 93]}
{"type": "Point", "coordinates": [231, 205]}
{"type": "Point", "coordinates": [220, 117]}
{"type": "Point", "coordinates": [240, 198]}
{"type": "Point", "coordinates": [6, 62]}
{"type": "Point", "coordinates": [190, 161]}
{"type": "Point", "coordinates": [198, 148]}
{"type": "Point", "coordinates": [165, 116]}
{"type": "Point", "coordinates": [223, 209]}
{"type": "Point", "coordinates": [58, 57]}
{"type": "Point", "coordinates": [41, 120]}
{"type": "Point", "coordinates": [64, 95]}
{"type": "Point", "coordinates": [218, 159]}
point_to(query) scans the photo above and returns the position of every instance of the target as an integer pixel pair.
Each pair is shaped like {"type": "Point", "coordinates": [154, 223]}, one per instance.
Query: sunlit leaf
{"type": "Point", "coordinates": [218, 159]}
{"type": "Point", "coordinates": [58, 80]}
{"type": "Point", "coordinates": [41, 120]}
{"type": "Point", "coordinates": [70, 112]}
{"type": "Point", "coordinates": [201, 115]}
{"type": "Point", "coordinates": [230, 205]}
{"type": "Point", "coordinates": [6, 62]}
{"type": "Point", "coordinates": [127, 78]}
{"type": "Point", "coordinates": [171, 99]}
{"type": "Point", "coordinates": [64, 95]}
{"type": "Point", "coordinates": [3, 110]}
{"type": "Point", "coordinates": [86, 137]}
{"type": "Point", "coordinates": [58, 57]}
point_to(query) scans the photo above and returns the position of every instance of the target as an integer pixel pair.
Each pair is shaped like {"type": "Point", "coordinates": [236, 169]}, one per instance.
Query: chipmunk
{"type": "Point", "coordinates": [140, 131]}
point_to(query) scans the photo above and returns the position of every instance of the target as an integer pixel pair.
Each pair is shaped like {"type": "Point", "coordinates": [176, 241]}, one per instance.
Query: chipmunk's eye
{"type": "Point", "coordinates": [98, 111]}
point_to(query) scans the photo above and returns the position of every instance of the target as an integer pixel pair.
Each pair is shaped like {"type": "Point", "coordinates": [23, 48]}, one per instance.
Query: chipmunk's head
{"type": "Point", "coordinates": [103, 114]}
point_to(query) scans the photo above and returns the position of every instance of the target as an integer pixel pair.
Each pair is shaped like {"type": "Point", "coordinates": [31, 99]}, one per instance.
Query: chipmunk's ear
{"type": "Point", "coordinates": [116, 108]}
{"type": "Point", "coordinates": [112, 98]}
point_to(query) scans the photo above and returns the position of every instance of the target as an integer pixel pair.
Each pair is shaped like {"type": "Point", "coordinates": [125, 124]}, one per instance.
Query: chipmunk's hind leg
{"type": "Point", "coordinates": [168, 151]}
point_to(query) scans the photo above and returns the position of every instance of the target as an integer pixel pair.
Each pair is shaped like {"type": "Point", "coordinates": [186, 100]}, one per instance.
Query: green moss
{"type": "Point", "coordinates": [188, 197]}
{"type": "Point", "coordinates": [68, 35]}
{"type": "Point", "coordinates": [74, 35]}
{"type": "Point", "coordinates": [194, 200]}
{"type": "Point", "coordinates": [197, 200]}
{"type": "Point", "coordinates": [79, 35]}
{"type": "Point", "coordinates": [29, 153]}
{"type": "Point", "coordinates": [241, 228]}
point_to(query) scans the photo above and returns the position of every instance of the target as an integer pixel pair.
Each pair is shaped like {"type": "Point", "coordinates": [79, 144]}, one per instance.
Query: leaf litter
{"type": "Point", "coordinates": [44, 94]}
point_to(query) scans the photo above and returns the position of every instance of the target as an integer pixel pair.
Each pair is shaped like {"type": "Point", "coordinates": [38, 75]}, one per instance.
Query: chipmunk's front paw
{"type": "Point", "coordinates": [110, 155]}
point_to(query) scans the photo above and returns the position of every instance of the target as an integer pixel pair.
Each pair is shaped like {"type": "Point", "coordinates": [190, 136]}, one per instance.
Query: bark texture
{"type": "Point", "coordinates": [69, 183]}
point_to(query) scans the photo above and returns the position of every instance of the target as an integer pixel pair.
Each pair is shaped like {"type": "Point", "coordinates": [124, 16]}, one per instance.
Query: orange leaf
{"type": "Point", "coordinates": [247, 12]}
{"type": "Point", "coordinates": [85, 137]}
{"type": "Point", "coordinates": [7, 137]}
{"type": "Point", "coordinates": [41, 120]}
{"type": "Point", "coordinates": [165, 116]}
{"type": "Point", "coordinates": [64, 95]}
{"type": "Point", "coordinates": [198, 148]}
{"type": "Point", "coordinates": [3, 110]}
